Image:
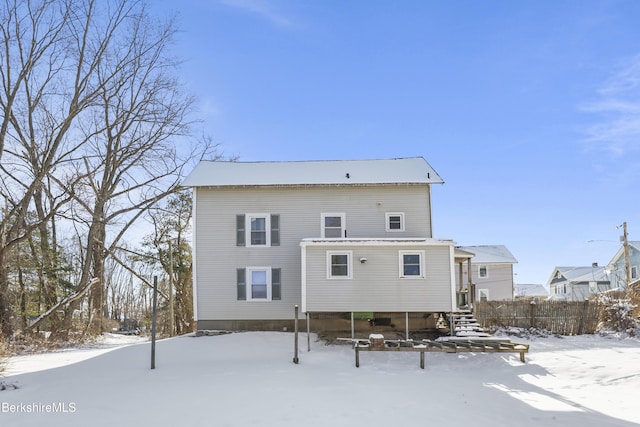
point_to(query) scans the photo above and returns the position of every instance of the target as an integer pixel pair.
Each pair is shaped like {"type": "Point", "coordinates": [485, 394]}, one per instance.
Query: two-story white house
{"type": "Point", "coordinates": [491, 272]}
{"type": "Point", "coordinates": [329, 236]}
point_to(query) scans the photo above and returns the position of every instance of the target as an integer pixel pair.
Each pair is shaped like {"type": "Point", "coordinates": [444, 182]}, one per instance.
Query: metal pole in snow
{"type": "Point", "coordinates": [308, 332]}
{"type": "Point", "coordinates": [406, 324]}
{"type": "Point", "coordinates": [153, 322]}
{"type": "Point", "coordinates": [295, 353]}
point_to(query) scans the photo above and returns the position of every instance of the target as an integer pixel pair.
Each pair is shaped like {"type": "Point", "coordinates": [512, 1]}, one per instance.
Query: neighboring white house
{"type": "Point", "coordinates": [491, 272]}
{"type": "Point", "coordinates": [617, 269]}
{"type": "Point", "coordinates": [578, 283]}
{"type": "Point", "coordinates": [329, 236]}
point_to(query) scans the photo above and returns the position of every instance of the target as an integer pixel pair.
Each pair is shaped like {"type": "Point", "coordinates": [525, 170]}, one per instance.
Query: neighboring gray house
{"type": "Point", "coordinates": [578, 283]}
{"type": "Point", "coordinates": [491, 272]}
{"type": "Point", "coordinates": [329, 236]}
{"type": "Point", "coordinates": [616, 266]}
{"type": "Point", "coordinates": [530, 291]}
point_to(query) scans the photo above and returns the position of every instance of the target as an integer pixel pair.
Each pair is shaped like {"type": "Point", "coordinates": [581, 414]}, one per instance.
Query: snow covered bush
{"type": "Point", "coordinates": [617, 316]}
{"type": "Point", "coordinates": [528, 333]}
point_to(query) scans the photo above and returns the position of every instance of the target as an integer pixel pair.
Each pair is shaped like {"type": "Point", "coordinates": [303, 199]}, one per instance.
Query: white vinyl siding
{"type": "Point", "coordinates": [376, 285]}
{"type": "Point", "coordinates": [218, 256]}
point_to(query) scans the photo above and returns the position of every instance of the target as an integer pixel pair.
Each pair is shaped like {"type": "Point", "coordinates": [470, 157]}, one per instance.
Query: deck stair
{"type": "Point", "coordinates": [464, 324]}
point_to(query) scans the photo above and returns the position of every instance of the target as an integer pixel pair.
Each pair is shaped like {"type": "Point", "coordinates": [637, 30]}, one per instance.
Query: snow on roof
{"type": "Point", "coordinates": [490, 254]}
{"type": "Point", "coordinates": [414, 170]}
{"type": "Point", "coordinates": [583, 274]}
{"type": "Point", "coordinates": [530, 290]}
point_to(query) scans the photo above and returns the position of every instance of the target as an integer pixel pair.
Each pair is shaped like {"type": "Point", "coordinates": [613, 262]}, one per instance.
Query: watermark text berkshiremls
{"type": "Point", "coordinates": [38, 408]}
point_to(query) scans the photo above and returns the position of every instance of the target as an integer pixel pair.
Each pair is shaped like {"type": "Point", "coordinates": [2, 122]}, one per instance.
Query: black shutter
{"type": "Point", "coordinates": [240, 232]}
{"type": "Point", "coordinates": [242, 284]}
{"type": "Point", "coordinates": [275, 230]}
{"type": "Point", "coordinates": [275, 284]}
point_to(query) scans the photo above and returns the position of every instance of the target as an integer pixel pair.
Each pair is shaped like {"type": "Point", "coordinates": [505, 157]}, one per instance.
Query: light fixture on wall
{"type": "Point", "coordinates": [363, 260]}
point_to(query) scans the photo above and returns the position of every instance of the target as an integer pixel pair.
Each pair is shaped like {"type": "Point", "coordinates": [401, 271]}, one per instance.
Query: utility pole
{"type": "Point", "coordinates": [625, 243]}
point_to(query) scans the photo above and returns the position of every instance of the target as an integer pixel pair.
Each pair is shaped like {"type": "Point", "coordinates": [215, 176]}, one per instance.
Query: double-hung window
{"type": "Point", "coordinates": [483, 271]}
{"type": "Point", "coordinates": [333, 225]}
{"type": "Point", "coordinates": [258, 283]}
{"type": "Point", "coordinates": [411, 264]}
{"type": "Point", "coordinates": [339, 264]}
{"type": "Point", "coordinates": [258, 230]}
{"type": "Point", "coordinates": [394, 221]}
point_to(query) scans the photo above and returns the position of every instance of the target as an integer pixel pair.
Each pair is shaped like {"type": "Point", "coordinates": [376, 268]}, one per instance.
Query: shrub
{"type": "Point", "coordinates": [617, 316]}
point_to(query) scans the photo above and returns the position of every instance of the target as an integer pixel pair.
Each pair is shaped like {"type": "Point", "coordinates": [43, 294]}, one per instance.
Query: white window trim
{"type": "Point", "coordinates": [483, 291]}
{"type": "Point", "coordinates": [593, 287]}
{"type": "Point", "coordinates": [349, 275]}
{"type": "Point", "coordinates": [343, 222]}
{"type": "Point", "coordinates": [401, 264]}
{"type": "Point", "coordinates": [634, 272]}
{"type": "Point", "coordinates": [387, 217]}
{"type": "Point", "coordinates": [267, 226]}
{"type": "Point", "coordinates": [486, 268]}
{"type": "Point", "coordinates": [249, 283]}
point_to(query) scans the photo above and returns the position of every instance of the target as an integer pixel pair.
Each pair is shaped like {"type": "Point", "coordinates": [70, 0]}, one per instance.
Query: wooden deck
{"type": "Point", "coordinates": [446, 345]}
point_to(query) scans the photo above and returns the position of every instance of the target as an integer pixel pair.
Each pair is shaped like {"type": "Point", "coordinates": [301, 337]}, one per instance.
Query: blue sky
{"type": "Point", "coordinates": [529, 110]}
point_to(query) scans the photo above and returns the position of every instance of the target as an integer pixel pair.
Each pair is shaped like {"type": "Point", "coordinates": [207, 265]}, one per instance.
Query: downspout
{"type": "Point", "coordinates": [194, 259]}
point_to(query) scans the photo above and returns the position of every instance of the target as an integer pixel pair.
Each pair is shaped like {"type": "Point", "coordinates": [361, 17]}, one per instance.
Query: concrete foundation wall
{"type": "Point", "coordinates": [329, 322]}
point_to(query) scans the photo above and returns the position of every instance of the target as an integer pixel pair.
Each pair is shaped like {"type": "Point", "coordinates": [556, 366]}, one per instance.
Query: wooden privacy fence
{"type": "Point", "coordinates": [560, 317]}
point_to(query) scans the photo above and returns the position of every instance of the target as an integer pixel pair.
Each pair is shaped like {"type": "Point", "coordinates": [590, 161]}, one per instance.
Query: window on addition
{"type": "Point", "coordinates": [412, 264]}
{"type": "Point", "coordinates": [339, 264]}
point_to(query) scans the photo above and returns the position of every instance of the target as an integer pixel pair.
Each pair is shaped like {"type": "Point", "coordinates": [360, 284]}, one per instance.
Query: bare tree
{"type": "Point", "coordinates": [92, 115]}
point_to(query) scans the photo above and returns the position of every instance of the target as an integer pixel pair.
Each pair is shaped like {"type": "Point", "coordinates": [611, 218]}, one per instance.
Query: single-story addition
{"type": "Point", "coordinates": [578, 283]}
{"type": "Point", "coordinates": [328, 236]}
{"type": "Point", "coordinates": [490, 273]}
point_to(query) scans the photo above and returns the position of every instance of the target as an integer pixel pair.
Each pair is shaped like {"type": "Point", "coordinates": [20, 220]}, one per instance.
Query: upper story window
{"type": "Point", "coordinates": [258, 230]}
{"type": "Point", "coordinates": [483, 271]}
{"type": "Point", "coordinates": [412, 264]}
{"type": "Point", "coordinates": [394, 221]}
{"type": "Point", "coordinates": [634, 272]}
{"type": "Point", "coordinates": [339, 264]}
{"type": "Point", "coordinates": [333, 225]}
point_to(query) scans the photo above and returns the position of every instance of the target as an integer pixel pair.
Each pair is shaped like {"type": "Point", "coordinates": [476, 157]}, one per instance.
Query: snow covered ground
{"type": "Point", "coordinates": [248, 379]}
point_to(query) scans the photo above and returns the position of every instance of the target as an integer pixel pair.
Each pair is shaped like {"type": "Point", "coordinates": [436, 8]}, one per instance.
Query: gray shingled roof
{"type": "Point", "coordinates": [414, 170]}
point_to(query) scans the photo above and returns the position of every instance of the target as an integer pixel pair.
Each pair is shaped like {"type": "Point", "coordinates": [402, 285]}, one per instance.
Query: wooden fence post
{"type": "Point", "coordinates": [532, 314]}
{"type": "Point", "coordinates": [583, 314]}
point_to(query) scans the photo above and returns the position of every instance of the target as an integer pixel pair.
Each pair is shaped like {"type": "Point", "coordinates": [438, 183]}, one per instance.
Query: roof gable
{"type": "Point", "coordinates": [635, 244]}
{"type": "Point", "coordinates": [414, 170]}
